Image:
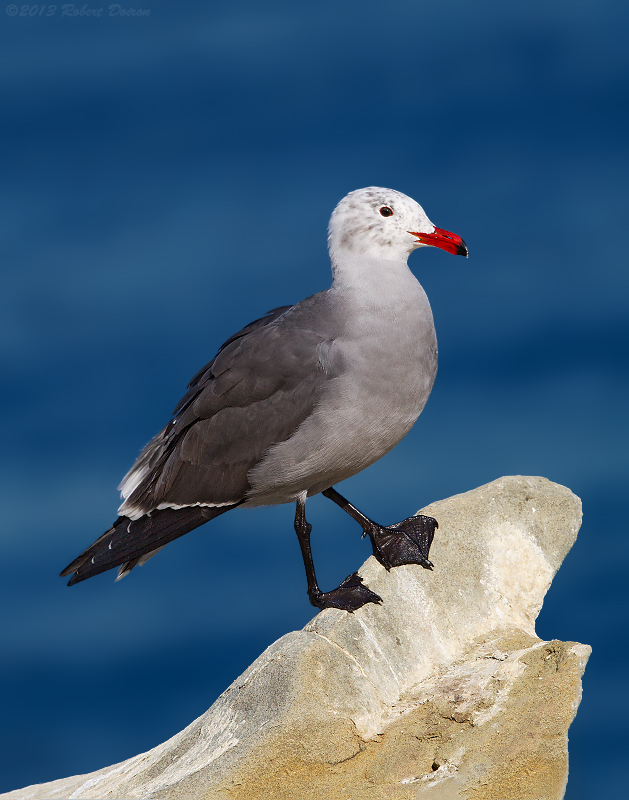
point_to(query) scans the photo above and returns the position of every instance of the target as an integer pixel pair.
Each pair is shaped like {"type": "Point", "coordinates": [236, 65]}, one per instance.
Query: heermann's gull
{"type": "Point", "coordinates": [297, 401]}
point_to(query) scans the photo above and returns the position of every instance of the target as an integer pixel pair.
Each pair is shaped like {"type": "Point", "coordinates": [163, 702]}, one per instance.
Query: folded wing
{"type": "Point", "coordinates": [255, 393]}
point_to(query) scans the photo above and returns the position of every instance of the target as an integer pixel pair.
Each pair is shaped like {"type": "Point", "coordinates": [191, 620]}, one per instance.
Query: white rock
{"type": "Point", "coordinates": [444, 684]}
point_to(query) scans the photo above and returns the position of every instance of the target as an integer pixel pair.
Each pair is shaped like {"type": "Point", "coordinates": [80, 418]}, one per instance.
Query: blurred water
{"type": "Point", "coordinates": [167, 179]}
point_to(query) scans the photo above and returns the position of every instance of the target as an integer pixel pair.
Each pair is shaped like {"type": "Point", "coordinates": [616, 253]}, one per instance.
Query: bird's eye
{"type": "Point", "coordinates": [386, 211]}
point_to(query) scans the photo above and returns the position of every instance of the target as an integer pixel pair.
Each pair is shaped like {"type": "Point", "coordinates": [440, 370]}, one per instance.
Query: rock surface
{"type": "Point", "coordinates": [444, 691]}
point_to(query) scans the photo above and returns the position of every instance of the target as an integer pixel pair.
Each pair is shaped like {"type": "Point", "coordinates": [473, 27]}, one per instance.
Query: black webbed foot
{"type": "Point", "coordinates": [405, 542]}
{"type": "Point", "coordinates": [350, 595]}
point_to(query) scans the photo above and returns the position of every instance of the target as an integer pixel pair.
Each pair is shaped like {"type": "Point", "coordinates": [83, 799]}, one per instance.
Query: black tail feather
{"type": "Point", "coordinates": [129, 540]}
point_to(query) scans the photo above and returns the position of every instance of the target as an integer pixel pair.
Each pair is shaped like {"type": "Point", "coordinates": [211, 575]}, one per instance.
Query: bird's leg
{"type": "Point", "coordinates": [406, 542]}
{"type": "Point", "coordinates": [350, 595]}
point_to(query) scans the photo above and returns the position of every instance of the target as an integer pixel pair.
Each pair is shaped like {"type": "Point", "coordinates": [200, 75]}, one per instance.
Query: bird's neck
{"type": "Point", "coordinates": [375, 280]}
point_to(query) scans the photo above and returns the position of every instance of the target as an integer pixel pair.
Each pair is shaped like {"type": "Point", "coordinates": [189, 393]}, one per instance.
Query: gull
{"type": "Point", "coordinates": [297, 401]}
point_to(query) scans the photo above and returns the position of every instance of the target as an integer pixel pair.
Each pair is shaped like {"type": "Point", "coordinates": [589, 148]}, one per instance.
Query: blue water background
{"type": "Point", "coordinates": [168, 178]}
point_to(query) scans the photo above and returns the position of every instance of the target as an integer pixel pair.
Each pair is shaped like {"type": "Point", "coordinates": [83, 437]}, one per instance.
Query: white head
{"type": "Point", "coordinates": [384, 224]}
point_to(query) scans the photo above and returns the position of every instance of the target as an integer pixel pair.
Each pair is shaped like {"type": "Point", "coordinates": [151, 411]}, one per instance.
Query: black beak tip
{"type": "Point", "coordinates": [462, 250]}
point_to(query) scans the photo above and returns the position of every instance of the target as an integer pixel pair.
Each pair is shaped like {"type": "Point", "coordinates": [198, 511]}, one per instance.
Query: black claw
{"type": "Point", "coordinates": [351, 595]}
{"type": "Point", "coordinates": [406, 542]}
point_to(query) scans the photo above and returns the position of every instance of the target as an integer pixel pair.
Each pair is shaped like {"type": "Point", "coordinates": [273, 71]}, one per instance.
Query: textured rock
{"type": "Point", "coordinates": [445, 685]}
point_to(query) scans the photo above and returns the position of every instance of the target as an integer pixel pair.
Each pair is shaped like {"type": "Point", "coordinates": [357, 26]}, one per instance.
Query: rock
{"type": "Point", "coordinates": [444, 685]}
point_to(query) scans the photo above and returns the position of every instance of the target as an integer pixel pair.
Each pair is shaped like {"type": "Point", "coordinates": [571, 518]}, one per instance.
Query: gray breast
{"type": "Point", "coordinates": [382, 367]}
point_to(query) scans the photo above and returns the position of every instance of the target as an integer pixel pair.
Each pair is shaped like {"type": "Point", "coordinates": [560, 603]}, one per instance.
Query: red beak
{"type": "Point", "coordinates": [447, 241]}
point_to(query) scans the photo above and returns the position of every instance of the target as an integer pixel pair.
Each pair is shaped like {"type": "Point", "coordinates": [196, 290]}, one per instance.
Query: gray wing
{"type": "Point", "coordinates": [263, 383]}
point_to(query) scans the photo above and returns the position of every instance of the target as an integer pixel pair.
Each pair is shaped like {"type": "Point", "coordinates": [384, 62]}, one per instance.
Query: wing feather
{"type": "Point", "coordinates": [262, 384]}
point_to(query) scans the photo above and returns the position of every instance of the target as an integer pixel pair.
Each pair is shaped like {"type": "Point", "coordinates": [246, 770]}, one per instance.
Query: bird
{"type": "Point", "coordinates": [297, 401]}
